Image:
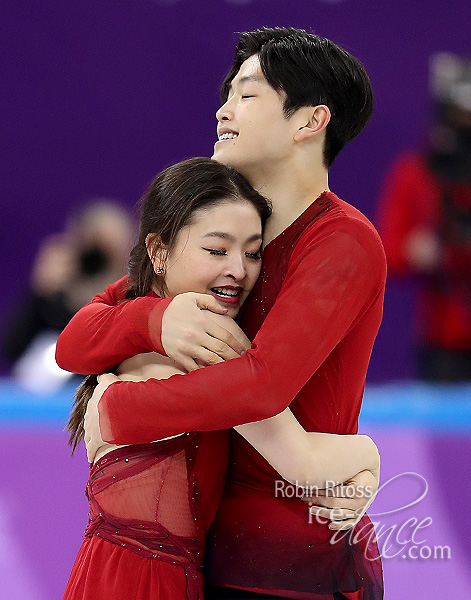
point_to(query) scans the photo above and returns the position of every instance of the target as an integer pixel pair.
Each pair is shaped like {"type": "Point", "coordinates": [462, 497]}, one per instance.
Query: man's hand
{"type": "Point", "coordinates": [191, 338]}
{"type": "Point", "coordinates": [92, 438]}
{"type": "Point", "coordinates": [345, 504]}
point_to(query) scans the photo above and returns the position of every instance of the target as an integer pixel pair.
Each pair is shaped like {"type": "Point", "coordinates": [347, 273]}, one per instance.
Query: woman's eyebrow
{"type": "Point", "coordinates": [227, 236]}
{"type": "Point", "coordinates": [254, 238]}
{"type": "Point", "coordinates": [220, 234]}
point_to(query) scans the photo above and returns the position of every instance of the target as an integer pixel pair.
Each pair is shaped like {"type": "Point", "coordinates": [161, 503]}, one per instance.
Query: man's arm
{"type": "Point", "coordinates": [331, 282]}
{"type": "Point", "coordinates": [107, 331]}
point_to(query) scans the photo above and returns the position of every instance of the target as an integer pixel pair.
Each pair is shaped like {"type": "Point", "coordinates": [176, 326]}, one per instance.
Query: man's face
{"type": "Point", "coordinates": [254, 136]}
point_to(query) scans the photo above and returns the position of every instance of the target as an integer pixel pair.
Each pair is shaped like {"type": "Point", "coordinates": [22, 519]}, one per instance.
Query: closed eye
{"type": "Point", "coordinates": [215, 252]}
{"type": "Point", "coordinates": [253, 255]}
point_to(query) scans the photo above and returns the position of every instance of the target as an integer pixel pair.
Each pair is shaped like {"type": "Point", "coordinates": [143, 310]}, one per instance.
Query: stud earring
{"type": "Point", "coordinates": [159, 270]}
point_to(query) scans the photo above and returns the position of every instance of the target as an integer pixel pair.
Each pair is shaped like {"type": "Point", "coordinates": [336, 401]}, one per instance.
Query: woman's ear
{"type": "Point", "coordinates": [317, 119]}
{"type": "Point", "coordinates": [157, 252]}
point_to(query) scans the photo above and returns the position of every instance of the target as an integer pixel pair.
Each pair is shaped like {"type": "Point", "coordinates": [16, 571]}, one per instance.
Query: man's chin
{"type": "Point", "coordinates": [227, 161]}
{"type": "Point", "coordinates": [220, 158]}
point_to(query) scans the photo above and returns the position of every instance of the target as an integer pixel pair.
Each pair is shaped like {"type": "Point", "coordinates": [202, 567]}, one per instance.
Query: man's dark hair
{"type": "Point", "coordinates": [310, 70]}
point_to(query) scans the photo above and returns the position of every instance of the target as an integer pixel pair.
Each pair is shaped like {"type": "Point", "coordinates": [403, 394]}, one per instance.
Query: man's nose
{"type": "Point", "coordinates": [224, 112]}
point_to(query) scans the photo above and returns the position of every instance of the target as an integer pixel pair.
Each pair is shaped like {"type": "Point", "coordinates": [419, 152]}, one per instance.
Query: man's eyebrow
{"type": "Point", "coordinates": [245, 79]}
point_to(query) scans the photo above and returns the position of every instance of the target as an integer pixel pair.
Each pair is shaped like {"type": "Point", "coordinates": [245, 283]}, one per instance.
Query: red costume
{"type": "Point", "coordinates": [146, 501]}
{"type": "Point", "coordinates": [319, 298]}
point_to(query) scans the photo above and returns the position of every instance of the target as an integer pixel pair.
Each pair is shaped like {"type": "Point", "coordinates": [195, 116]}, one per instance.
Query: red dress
{"type": "Point", "coordinates": [313, 317]}
{"type": "Point", "coordinates": [146, 531]}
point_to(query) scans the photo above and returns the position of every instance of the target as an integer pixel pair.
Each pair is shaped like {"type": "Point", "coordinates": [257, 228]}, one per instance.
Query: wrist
{"type": "Point", "coordinates": [371, 452]}
{"type": "Point", "coordinates": [154, 324]}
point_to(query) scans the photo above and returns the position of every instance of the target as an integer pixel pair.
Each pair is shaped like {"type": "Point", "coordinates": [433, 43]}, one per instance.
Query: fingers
{"type": "Point", "coordinates": [188, 332]}
{"type": "Point", "coordinates": [222, 349]}
{"type": "Point", "coordinates": [332, 514]}
{"type": "Point", "coordinates": [207, 350]}
{"type": "Point", "coordinates": [345, 490]}
{"type": "Point", "coordinates": [202, 358]}
{"type": "Point", "coordinates": [344, 503]}
{"type": "Point", "coordinates": [343, 525]}
{"type": "Point", "coordinates": [106, 379]}
{"type": "Point", "coordinates": [207, 302]}
{"type": "Point", "coordinates": [336, 519]}
{"type": "Point", "coordinates": [188, 364]}
{"type": "Point", "coordinates": [223, 342]}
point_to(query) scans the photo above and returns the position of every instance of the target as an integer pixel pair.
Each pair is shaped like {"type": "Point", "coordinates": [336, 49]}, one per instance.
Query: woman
{"type": "Point", "coordinates": [150, 505]}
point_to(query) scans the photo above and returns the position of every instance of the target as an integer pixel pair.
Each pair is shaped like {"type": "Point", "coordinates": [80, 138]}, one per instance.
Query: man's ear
{"type": "Point", "coordinates": [157, 252]}
{"type": "Point", "coordinates": [316, 120]}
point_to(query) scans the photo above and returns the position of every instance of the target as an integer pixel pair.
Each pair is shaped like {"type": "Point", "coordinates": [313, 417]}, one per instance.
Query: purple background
{"type": "Point", "coordinates": [98, 96]}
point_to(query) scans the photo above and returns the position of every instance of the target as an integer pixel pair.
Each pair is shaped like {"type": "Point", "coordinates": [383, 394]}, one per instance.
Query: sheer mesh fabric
{"type": "Point", "coordinates": [145, 498]}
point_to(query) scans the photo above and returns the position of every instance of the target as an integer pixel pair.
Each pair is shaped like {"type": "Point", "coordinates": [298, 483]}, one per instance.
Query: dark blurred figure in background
{"type": "Point", "coordinates": [69, 270]}
{"type": "Point", "coordinates": [426, 224]}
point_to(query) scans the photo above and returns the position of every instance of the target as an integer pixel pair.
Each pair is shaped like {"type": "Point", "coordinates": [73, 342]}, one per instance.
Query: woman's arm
{"type": "Point", "coordinates": [309, 458]}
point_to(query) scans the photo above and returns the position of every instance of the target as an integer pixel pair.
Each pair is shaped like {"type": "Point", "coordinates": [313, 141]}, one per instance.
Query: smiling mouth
{"type": "Point", "coordinates": [227, 136]}
{"type": "Point", "coordinates": [227, 295]}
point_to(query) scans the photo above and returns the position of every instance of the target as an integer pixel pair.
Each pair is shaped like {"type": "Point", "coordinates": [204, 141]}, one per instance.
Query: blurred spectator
{"type": "Point", "coordinates": [426, 224]}
{"type": "Point", "coordinates": [69, 269]}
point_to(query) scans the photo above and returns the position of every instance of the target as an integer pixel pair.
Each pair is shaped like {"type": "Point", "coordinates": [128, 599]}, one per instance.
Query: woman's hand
{"type": "Point", "coordinates": [92, 438]}
{"type": "Point", "coordinates": [345, 504]}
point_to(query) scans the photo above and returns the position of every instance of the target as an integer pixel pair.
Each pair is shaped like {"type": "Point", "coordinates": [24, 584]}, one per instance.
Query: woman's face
{"type": "Point", "coordinates": [218, 254]}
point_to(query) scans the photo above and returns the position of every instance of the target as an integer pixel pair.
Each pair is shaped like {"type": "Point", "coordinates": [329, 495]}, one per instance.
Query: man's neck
{"type": "Point", "coordinates": [290, 194]}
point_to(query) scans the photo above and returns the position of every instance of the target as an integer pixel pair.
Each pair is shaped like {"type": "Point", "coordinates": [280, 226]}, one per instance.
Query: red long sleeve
{"type": "Point", "coordinates": [107, 331]}
{"type": "Point", "coordinates": [336, 274]}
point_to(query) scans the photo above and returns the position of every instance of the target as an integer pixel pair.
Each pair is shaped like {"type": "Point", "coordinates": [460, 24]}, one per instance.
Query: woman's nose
{"type": "Point", "coordinates": [236, 268]}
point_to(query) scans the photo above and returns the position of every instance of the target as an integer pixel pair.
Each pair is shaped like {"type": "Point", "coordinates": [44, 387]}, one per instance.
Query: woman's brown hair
{"type": "Point", "coordinates": [169, 204]}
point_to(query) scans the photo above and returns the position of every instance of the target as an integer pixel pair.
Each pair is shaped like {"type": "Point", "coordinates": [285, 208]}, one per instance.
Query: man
{"type": "Point", "coordinates": [292, 100]}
